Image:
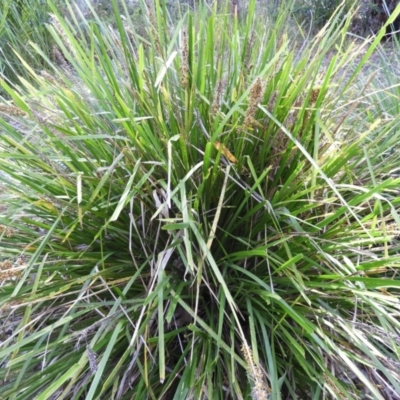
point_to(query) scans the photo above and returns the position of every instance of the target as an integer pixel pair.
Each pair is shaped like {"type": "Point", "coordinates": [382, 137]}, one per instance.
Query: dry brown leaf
{"type": "Point", "coordinates": [225, 152]}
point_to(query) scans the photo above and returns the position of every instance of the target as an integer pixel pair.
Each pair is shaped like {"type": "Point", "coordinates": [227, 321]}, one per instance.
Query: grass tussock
{"type": "Point", "coordinates": [196, 211]}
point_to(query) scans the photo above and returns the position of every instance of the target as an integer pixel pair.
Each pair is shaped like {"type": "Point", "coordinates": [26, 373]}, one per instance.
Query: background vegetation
{"type": "Point", "coordinates": [22, 21]}
{"type": "Point", "coordinates": [200, 206]}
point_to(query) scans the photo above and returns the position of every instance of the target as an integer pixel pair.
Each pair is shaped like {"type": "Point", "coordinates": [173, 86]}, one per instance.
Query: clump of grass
{"type": "Point", "coordinates": [191, 227]}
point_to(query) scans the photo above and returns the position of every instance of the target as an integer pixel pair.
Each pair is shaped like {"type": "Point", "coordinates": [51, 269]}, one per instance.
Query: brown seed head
{"type": "Point", "coordinates": [154, 32]}
{"type": "Point", "coordinates": [59, 58]}
{"type": "Point", "coordinates": [5, 265]}
{"type": "Point", "coordinates": [7, 231]}
{"type": "Point", "coordinates": [8, 271]}
{"type": "Point", "coordinates": [314, 95]}
{"type": "Point", "coordinates": [11, 110]}
{"type": "Point", "coordinates": [216, 105]}
{"type": "Point", "coordinates": [255, 97]}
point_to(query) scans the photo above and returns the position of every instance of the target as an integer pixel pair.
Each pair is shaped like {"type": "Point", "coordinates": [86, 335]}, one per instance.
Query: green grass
{"type": "Point", "coordinates": [197, 211]}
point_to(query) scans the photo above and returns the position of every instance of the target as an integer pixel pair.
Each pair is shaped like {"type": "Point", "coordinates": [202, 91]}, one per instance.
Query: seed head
{"type": "Point", "coordinates": [314, 95]}
{"type": "Point", "coordinates": [59, 58]}
{"type": "Point", "coordinates": [184, 79]}
{"type": "Point", "coordinates": [255, 97]}
{"type": "Point", "coordinates": [154, 32]}
{"type": "Point", "coordinates": [61, 32]}
{"type": "Point", "coordinates": [11, 110]}
{"type": "Point", "coordinates": [216, 105]}
{"type": "Point", "coordinates": [48, 77]}
{"type": "Point", "coordinates": [7, 231]}
{"type": "Point", "coordinates": [9, 271]}
{"type": "Point", "coordinates": [261, 388]}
